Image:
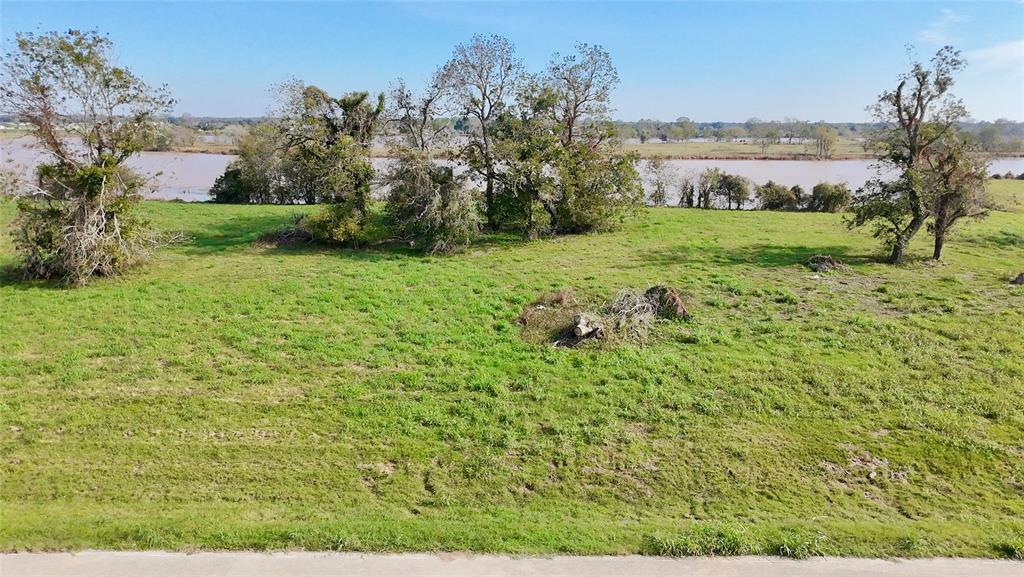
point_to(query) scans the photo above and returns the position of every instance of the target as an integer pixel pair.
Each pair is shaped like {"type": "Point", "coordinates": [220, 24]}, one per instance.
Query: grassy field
{"type": "Point", "coordinates": [232, 396]}
{"type": "Point", "coordinates": [844, 149]}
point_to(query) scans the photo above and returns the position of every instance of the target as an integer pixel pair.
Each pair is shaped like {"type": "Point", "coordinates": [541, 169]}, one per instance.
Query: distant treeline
{"type": "Point", "coordinates": [1000, 136]}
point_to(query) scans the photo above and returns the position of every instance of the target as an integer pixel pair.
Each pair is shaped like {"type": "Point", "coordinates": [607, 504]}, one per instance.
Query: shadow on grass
{"type": "Point", "coordinates": [240, 231]}
{"type": "Point", "coordinates": [761, 255]}
{"type": "Point", "coordinates": [12, 276]}
{"type": "Point", "coordinates": [1001, 239]}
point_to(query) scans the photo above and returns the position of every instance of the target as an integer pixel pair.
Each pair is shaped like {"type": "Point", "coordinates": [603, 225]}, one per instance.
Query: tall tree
{"type": "Point", "coordinates": [825, 139]}
{"type": "Point", "coordinates": [661, 177]}
{"type": "Point", "coordinates": [77, 223]}
{"type": "Point", "coordinates": [914, 118]}
{"type": "Point", "coordinates": [327, 142]}
{"type": "Point", "coordinates": [417, 115]}
{"type": "Point", "coordinates": [687, 192]}
{"type": "Point", "coordinates": [707, 184]}
{"type": "Point", "coordinates": [583, 81]}
{"type": "Point", "coordinates": [482, 75]}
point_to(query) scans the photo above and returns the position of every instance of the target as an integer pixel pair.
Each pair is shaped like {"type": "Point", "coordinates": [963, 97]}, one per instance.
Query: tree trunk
{"type": "Point", "coordinates": [942, 224]}
{"type": "Point", "coordinates": [899, 248]}
{"type": "Point", "coordinates": [940, 240]}
{"type": "Point", "coordinates": [489, 200]}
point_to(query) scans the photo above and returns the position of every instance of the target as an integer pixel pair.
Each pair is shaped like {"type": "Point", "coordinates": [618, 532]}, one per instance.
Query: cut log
{"type": "Point", "coordinates": [586, 326]}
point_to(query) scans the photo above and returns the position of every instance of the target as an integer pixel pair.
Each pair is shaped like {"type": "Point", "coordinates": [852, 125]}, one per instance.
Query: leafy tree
{"type": "Point", "coordinates": [827, 197]}
{"type": "Point", "coordinates": [955, 181]}
{"type": "Point", "coordinates": [799, 195]}
{"type": "Point", "coordinates": [257, 175]}
{"type": "Point", "coordinates": [913, 119]}
{"type": "Point", "coordinates": [687, 192]}
{"type": "Point", "coordinates": [429, 206]}
{"type": "Point", "coordinates": [825, 139]}
{"type": "Point", "coordinates": [707, 185]}
{"type": "Point", "coordinates": [683, 129]}
{"type": "Point", "coordinates": [230, 188]}
{"type": "Point", "coordinates": [583, 82]}
{"type": "Point", "coordinates": [482, 75]}
{"type": "Point", "coordinates": [597, 189]}
{"type": "Point", "coordinates": [734, 189]}
{"type": "Point", "coordinates": [772, 196]}
{"type": "Point", "coordinates": [528, 147]}
{"type": "Point", "coordinates": [325, 156]}
{"type": "Point", "coordinates": [989, 137]}
{"type": "Point", "coordinates": [77, 222]}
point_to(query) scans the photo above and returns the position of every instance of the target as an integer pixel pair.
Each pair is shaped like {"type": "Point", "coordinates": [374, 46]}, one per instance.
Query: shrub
{"type": "Point", "coordinates": [81, 223]}
{"type": "Point", "coordinates": [76, 221]}
{"type": "Point", "coordinates": [774, 196]}
{"type": "Point", "coordinates": [597, 190]}
{"type": "Point", "coordinates": [826, 197]}
{"type": "Point", "coordinates": [230, 187]}
{"type": "Point", "coordinates": [338, 223]}
{"type": "Point", "coordinates": [430, 207]}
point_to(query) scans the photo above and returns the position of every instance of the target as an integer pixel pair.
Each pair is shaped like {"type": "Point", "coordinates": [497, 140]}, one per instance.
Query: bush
{"type": "Point", "coordinates": [230, 187]}
{"type": "Point", "coordinates": [430, 207]}
{"type": "Point", "coordinates": [338, 223]}
{"type": "Point", "coordinates": [827, 197]}
{"type": "Point", "coordinates": [774, 196]}
{"type": "Point", "coordinates": [596, 190]}
{"type": "Point", "coordinates": [74, 240]}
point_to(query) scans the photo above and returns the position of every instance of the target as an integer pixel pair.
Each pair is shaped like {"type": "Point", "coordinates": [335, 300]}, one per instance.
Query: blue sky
{"type": "Point", "coordinates": [707, 61]}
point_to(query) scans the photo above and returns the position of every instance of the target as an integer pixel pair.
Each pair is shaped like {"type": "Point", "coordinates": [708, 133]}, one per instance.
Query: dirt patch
{"type": "Point", "coordinates": [549, 318]}
{"type": "Point", "coordinates": [861, 470]}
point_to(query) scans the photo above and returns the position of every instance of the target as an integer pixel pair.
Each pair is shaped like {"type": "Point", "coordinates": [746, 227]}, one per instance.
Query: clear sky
{"type": "Point", "coordinates": [708, 61]}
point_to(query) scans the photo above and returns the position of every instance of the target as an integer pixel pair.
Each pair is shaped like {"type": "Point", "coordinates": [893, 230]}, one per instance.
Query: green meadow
{"type": "Point", "coordinates": [231, 395]}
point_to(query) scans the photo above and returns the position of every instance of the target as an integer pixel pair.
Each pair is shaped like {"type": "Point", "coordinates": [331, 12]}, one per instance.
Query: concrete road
{"type": "Point", "coordinates": [304, 564]}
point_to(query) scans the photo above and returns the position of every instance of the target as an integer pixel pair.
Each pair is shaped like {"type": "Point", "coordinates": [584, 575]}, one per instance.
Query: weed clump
{"type": "Point", "coordinates": [824, 263]}
{"type": "Point", "coordinates": [700, 540]}
{"type": "Point", "coordinates": [629, 316]}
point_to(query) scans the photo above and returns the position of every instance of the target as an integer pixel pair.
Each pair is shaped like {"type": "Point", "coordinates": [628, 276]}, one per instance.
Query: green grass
{"type": "Point", "coordinates": [229, 396]}
{"type": "Point", "coordinates": [844, 149]}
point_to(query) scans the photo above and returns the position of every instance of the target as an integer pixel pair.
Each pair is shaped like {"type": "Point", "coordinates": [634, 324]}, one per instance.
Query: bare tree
{"type": "Point", "coordinates": [417, 115]}
{"type": "Point", "coordinates": [482, 75]}
{"type": "Point", "coordinates": [584, 82]}
{"type": "Point", "coordinates": [661, 176]}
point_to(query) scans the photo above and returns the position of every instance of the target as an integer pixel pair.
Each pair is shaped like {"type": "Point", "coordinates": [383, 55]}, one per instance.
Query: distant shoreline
{"type": "Point", "coordinates": [646, 152]}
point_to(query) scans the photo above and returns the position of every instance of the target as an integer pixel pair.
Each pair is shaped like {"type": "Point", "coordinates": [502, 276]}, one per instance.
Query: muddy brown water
{"type": "Point", "coordinates": [189, 176]}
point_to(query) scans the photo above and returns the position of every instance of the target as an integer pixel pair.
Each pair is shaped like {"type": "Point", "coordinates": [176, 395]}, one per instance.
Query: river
{"type": "Point", "coordinates": [188, 176]}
